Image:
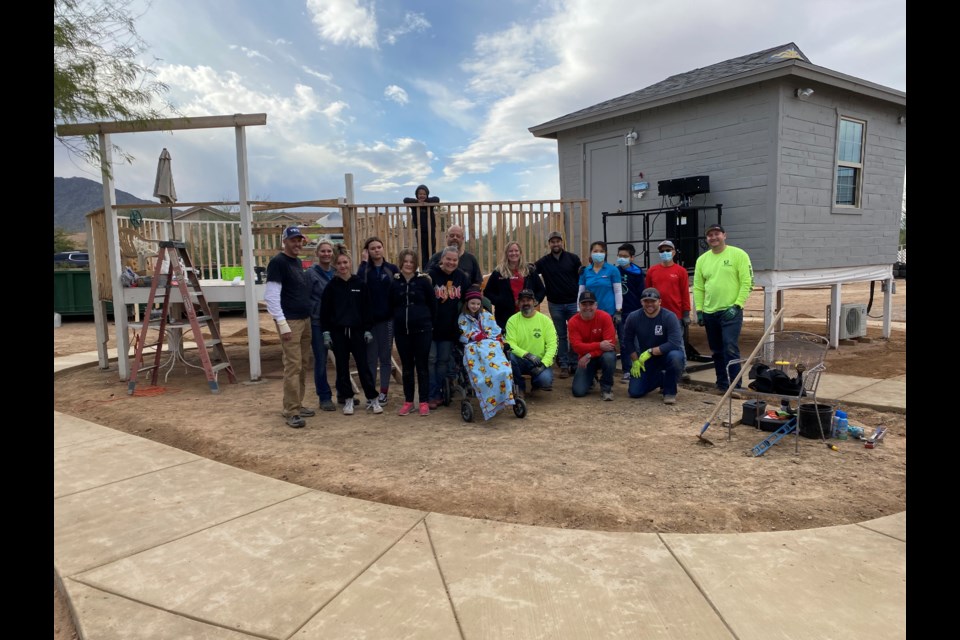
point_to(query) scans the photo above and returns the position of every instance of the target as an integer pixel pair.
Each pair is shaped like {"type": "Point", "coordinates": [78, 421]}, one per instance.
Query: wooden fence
{"type": "Point", "coordinates": [488, 226]}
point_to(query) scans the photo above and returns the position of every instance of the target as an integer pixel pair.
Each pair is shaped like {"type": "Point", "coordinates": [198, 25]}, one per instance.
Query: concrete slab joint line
{"type": "Point", "coordinates": [148, 537]}
{"type": "Point", "coordinates": [697, 584]}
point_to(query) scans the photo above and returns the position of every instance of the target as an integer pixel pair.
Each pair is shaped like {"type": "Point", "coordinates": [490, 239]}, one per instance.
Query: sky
{"type": "Point", "coordinates": [441, 92]}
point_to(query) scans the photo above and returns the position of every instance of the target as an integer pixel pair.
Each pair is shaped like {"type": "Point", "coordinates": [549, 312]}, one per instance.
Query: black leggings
{"type": "Point", "coordinates": [347, 341]}
{"type": "Point", "coordinates": [414, 350]}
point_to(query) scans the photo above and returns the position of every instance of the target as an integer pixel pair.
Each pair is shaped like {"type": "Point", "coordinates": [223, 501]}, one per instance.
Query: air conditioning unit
{"type": "Point", "coordinates": [853, 320]}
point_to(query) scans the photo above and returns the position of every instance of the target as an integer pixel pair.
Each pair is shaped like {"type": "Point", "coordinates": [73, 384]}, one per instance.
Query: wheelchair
{"type": "Point", "coordinates": [461, 387]}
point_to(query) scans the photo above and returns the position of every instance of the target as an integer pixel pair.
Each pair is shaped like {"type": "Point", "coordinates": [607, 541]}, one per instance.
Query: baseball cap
{"type": "Point", "coordinates": [555, 234]}
{"type": "Point", "coordinates": [666, 243]}
{"type": "Point", "coordinates": [650, 294]}
{"type": "Point", "coordinates": [587, 296]}
{"type": "Point", "coordinates": [715, 227]}
{"type": "Point", "coordinates": [526, 293]}
{"type": "Point", "coordinates": [292, 232]}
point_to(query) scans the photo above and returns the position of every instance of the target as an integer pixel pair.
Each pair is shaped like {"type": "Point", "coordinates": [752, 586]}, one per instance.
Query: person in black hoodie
{"type": "Point", "coordinates": [424, 219]}
{"type": "Point", "coordinates": [450, 283]}
{"type": "Point", "coordinates": [505, 283]}
{"type": "Point", "coordinates": [414, 305]}
{"type": "Point", "coordinates": [346, 321]}
{"type": "Point", "coordinates": [378, 274]}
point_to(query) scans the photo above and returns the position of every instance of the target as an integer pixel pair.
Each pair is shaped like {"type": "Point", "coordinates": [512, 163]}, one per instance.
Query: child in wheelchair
{"type": "Point", "coordinates": [484, 367]}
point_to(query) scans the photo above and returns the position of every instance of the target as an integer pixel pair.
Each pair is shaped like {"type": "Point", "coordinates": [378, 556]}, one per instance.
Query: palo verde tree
{"type": "Point", "coordinates": [96, 73]}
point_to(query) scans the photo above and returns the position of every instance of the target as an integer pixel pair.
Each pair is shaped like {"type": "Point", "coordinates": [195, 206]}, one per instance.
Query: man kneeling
{"type": "Point", "coordinates": [533, 343]}
{"type": "Point", "coordinates": [654, 338]}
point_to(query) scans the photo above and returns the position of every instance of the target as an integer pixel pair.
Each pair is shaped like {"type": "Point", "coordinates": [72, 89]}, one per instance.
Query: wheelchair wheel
{"type": "Point", "coordinates": [520, 408]}
{"type": "Point", "coordinates": [466, 411]}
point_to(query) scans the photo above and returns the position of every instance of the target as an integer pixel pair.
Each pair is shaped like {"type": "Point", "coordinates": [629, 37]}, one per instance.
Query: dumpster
{"type": "Point", "coordinates": [72, 294]}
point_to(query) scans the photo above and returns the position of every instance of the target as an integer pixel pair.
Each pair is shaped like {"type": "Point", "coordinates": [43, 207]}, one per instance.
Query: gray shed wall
{"type": "Point", "coordinates": [770, 159]}
{"type": "Point", "coordinates": [811, 231]}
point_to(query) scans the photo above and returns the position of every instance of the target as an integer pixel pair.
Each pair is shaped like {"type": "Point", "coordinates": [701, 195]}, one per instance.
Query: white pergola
{"type": "Point", "coordinates": [104, 130]}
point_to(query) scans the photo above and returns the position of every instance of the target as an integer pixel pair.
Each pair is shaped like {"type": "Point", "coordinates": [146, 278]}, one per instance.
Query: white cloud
{"type": "Point", "coordinates": [447, 104]}
{"type": "Point", "coordinates": [333, 111]}
{"type": "Point", "coordinates": [250, 53]}
{"type": "Point", "coordinates": [279, 42]}
{"type": "Point", "coordinates": [344, 22]}
{"type": "Point", "coordinates": [397, 94]}
{"type": "Point", "coordinates": [412, 23]}
{"type": "Point", "coordinates": [406, 159]}
{"type": "Point", "coordinates": [326, 77]}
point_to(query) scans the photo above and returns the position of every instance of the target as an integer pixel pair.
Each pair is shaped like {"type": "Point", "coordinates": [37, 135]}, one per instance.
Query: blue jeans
{"type": "Point", "coordinates": [320, 364]}
{"type": "Point", "coordinates": [560, 313]}
{"type": "Point", "coordinates": [661, 372]}
{"type": "Point", "coordinates": [439, 365]}
{"type": "Point", "coordinates": [583, 378]}
{"type": "Point", "coordinates": [379, 353]}
{"type": "Point", "coordinates": [723, 336]}
{"type": "Point", "coordinates": [523, 366]}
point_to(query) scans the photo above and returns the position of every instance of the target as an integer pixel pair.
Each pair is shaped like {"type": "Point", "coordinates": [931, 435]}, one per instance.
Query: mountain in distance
{"type": "Point", "coordinates": [74, 198]}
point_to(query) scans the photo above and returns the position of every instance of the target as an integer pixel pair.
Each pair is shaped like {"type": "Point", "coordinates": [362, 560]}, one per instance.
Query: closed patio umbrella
{"type": "Point", "coordinates": [163, 188]}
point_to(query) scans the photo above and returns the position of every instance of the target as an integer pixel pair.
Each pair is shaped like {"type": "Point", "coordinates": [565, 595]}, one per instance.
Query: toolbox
{"type": "Point", "coordinates": [772, 424]}
{"type": "Point", "coordinates": [752, 410]}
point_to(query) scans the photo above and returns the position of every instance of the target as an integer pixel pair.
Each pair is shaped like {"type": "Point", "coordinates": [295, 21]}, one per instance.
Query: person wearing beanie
{"type": "Point", "coordinates": [425, 220]}
{"type": "Point", "coordinates": [483, 359]}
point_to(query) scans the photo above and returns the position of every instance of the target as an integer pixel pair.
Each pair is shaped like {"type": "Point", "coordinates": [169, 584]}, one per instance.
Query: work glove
{"type": "Point", "coordinates": [700, 318]}
{"type": "Point", "coordinates": [636, 368]}
{"type": "Point", "coordinates": [367, 337]}
{"type": "Point", "coordinates": [730, 313]}
{"type": "Point", "coordinates": [327, 340]}
{"type": "Point", "coordinates": [535, 359]}
{"type": "Point", "coordinates": [537, 370]}
{"type": "Point", "coordinates": [686, 319]}
{"type": "Point", "coordinates": [617, 316]}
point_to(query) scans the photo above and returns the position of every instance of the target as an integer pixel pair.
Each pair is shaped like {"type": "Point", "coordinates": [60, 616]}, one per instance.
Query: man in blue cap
{"type": "Point", "coordinates": [287, 295]}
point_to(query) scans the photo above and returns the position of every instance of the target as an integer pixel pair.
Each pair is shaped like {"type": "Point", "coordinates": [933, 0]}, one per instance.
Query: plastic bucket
{"type": "Point", "coordinates": [807, 420]}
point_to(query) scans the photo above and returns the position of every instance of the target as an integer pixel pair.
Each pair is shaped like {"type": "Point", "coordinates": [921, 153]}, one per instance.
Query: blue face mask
{"type": "Point", "coordinates": [598, 257]}
{"type": "Point", "coordinates": [666, 255]}
{"type": "Point", "coordinates": [622, 262]}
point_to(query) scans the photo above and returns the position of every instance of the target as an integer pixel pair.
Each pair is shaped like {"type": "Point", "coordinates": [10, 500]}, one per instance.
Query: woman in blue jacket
{"type": "Point", "coordinates": [603, 279]}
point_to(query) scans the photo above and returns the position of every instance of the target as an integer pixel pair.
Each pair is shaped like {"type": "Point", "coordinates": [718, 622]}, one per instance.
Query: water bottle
{"type": "Point", "coordinates": [840, 425]}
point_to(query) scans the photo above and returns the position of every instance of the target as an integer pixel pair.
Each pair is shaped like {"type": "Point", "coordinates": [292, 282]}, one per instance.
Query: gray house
{"type": "Point", "coordinates": [808, 164]}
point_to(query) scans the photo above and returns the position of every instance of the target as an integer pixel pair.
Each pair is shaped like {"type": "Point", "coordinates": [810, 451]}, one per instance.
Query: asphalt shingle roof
{"type": "Point", "coordinates": [691, 79]}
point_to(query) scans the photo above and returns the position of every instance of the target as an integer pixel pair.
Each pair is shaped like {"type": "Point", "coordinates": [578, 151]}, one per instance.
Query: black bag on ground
{"type": "Point", "coordinates": [767, 380]}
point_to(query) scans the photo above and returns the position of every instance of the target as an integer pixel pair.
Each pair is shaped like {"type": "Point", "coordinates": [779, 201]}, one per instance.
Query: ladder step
{"type": "Point", "coordinates": [220, 366]}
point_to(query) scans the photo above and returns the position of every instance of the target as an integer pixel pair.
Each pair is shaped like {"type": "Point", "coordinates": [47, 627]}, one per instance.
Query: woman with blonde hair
{"type": "Point", "coordinates": [512, 276]}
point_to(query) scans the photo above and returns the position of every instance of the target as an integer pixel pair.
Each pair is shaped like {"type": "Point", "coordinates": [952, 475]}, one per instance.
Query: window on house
{"type": "Point", "coordinates": [849, 162]}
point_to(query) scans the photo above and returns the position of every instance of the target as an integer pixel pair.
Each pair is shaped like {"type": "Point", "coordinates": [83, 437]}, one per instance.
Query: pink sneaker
{"type": "Point", "coordinates": [405, 409]}
{"type": "Point", "coordinates": [424, 409]}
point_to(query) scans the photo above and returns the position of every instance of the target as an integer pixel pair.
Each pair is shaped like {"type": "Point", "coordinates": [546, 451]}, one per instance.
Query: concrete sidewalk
{"type": "Point", "coordinates": [154, 542]}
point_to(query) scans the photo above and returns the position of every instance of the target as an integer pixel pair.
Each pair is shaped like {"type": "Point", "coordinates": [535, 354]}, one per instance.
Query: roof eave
{"type": "Point", "coordinates": [794, 67]}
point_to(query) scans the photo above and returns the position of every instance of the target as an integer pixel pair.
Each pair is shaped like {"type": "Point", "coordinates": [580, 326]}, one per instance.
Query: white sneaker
{"type": "Point", "coordinates": [606, 396]}
{"type": "Point", "coordinates": [374, 405]}
{"type": "Point", "coordinates": [348, 407]}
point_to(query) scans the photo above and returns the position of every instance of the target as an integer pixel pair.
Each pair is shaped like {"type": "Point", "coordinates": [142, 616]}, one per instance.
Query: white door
{"type": "Point", "coordinates": [607, 184]}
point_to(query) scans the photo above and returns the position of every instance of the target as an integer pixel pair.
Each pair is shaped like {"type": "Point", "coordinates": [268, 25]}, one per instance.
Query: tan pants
{"type": "Point", "coordinates": [297, 363]}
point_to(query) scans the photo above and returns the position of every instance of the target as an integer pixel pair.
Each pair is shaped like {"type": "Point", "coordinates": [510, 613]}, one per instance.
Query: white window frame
{"type": "Point", "coordinates": [858, 166]}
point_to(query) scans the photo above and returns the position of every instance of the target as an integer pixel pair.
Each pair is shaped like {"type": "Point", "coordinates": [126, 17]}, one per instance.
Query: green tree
{"type": "Point", "coordinates": [61, 242]}
{"type": "Point", "coordinates": [96, 75]}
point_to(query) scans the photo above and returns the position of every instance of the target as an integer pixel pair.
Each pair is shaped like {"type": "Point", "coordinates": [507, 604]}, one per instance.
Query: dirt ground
{"type": "Point", "coordinates": [626, 465]}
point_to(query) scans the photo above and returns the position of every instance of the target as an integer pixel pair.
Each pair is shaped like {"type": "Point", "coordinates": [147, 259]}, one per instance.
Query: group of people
{"type": "Point", "coordinates": [595, 310]}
